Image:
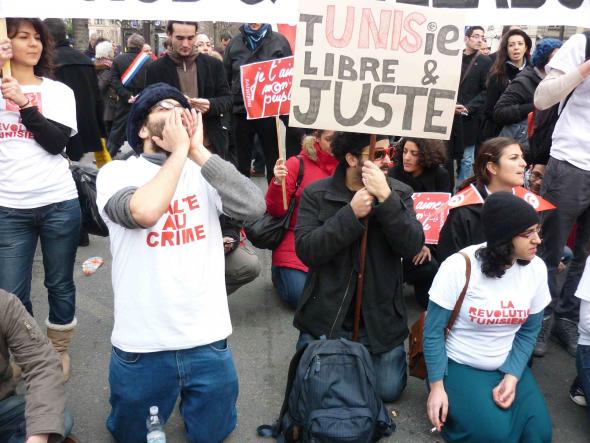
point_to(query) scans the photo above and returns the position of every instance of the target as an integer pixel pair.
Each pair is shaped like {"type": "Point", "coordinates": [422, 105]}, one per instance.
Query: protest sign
{"type": "Point", "coordinates": [431, 210]}
{"type": "Point", "coordinates": [249, 11]}
{"type": "Point", "coordinates": [376, 67]}
{"type": "Point", "coordinates": [266, 87]}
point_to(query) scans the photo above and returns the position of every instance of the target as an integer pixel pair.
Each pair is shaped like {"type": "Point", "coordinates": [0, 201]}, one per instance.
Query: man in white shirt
{"type": "Point", "coordinates": [566, 184]}
{"type": "Point", "coordinates": [171, 314]}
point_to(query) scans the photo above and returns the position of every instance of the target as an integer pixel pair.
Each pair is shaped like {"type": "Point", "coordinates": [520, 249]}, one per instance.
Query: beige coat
{"type": "Point", "coordinates": [45, 394]}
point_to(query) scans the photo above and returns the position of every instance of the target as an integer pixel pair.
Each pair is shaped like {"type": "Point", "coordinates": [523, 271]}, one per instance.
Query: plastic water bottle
{"type": "Point", "coordinates": [155, 427]}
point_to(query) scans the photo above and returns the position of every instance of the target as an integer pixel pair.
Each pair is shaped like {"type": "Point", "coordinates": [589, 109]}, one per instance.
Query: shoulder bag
{"type": "Point", "coordinates": [267, 232]}
{"type": "Point", "coordinates": [416, 361]}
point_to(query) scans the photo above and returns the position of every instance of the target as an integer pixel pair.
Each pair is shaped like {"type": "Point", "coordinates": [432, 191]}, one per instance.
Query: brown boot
{"type": "Point", "coordinates": [61, 337]}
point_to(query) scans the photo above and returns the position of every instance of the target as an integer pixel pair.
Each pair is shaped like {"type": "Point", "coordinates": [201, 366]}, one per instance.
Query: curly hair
{"type": "Point", "coordinates": [431, 153]}
{"type": "Point", "coordinates": [44, 67]}
{"type": "Point", "coordinates": [496, 259]}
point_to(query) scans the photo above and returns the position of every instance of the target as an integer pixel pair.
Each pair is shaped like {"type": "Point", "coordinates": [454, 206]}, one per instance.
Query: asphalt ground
{"type": "Point", "coordinates": [263, 342]}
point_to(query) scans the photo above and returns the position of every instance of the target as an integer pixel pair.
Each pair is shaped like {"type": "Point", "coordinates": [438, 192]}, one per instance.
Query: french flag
{"type": "Point", "coordinates": [134, 67]}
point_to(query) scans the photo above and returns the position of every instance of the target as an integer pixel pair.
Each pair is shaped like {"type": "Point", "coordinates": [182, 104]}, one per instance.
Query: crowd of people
{"type": "Point", "coordinates": [177, 205]}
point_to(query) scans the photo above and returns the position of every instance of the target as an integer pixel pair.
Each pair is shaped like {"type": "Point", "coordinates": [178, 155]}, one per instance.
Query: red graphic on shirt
{"type": "Point", "coordinates": [506, 315]}
{"type": "Point", "coordinates": [18, 130]}
{"type": "Point", "coordinates": [175, 232]}
{"type": "Point", "coordinates": [33, 97]}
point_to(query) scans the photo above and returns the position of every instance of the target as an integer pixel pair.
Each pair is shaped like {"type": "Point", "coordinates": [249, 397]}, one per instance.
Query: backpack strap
{"type": "Point", "coordinates": [471, 63]}
{"type": "Point", "coordinates": [275, 429]}
{"type": "Point", "coordinates": [459, 302]}
{"type": "Point", "coordinates": [299, 174]}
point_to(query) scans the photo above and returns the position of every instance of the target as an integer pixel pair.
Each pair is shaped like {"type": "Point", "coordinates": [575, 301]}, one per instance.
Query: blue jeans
{"type": "Point", "coordinates": [466, 164]}
{"type": "Point", "coordinates": [58, 227]}
{"type": "Point", "coordinates": [204, 377]}
{"type": "Point", "coordinates": [12, 420]}
{"type": "Point", "coordinates": [583, 366]}
{"type": "Point", "coordinates": [390, 367]}
{"type": "Point", "coordinates": [289, 283]}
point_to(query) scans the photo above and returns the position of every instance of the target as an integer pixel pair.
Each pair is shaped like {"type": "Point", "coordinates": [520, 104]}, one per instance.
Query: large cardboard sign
{"type": "Point", "coordinates": [266, 87]}
{"type": "Point", "coordinates": [376, 67]}
{"type": "Point", "coordinates": [480, 12]}
{"type": "Point", "coordinates": [431, 210]}
{"type": "Point", "coordinates": [250, 11]}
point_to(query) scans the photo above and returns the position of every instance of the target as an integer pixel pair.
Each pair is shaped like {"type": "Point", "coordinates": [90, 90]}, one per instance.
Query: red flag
{"type": "Point", "coordinates": [468, 196]}
{"type": "Point", "coordinates": [536, 201]}
{"type": "Point", "coordinates": [288, 31]}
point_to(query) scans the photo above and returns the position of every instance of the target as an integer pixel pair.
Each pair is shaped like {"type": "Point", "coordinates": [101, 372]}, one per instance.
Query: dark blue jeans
{"type": "Point", "coordinates": [583, 365]}
{"type": "Point", "coordinates": [12, 420]}
{"type": "Point", "coordinates": [289, 283]}
{"type": "Point", "coordinates": [58, 227]}
{"type": "Point", "coordinates": [204, 377]}
{"type": "Point", "coordinates": [390, 367]}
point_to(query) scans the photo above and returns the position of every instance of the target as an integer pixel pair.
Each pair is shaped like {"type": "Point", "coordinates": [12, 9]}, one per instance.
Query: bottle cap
{"type": "Point", "coordinates": [153, 410]}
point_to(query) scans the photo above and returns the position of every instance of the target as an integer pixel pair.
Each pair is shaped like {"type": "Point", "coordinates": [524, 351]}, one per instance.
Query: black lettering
{"type": "Point", "coordinates": [455, 3]}
{"type": "Point", "coordinates": [444, 39]}
{"type": "Point", "coordinates": [411, 92]}
{"type": "Point", "coordinates": [310, 20]}
{"type": "Point", "coordinates": [429, 44]}
{"type": "Point", "coordinates": [361, 110]}
{"type": "Point", "coordinates": [346, 69]}
{"type": "Point", "coordinates": [329, 65]}
{"type": "Point", "coordinates": [315, 95]}
{"type": "Point", "coordinates": [388, 73]}
{"type": "Point", "coordinates": [307, 68]}
{"type": "Point", "coordinates": [572, 4]}
{"type": "Point", "coordinates": [387, 110]}
{"type": "Point", "coordinates": [432, 113]}
{"type": "Point", "coordinates": [248, 2]}
{"type": "Point", "coordinates": [369, 64]}
{"type": "Point", "coordinates": [527, 3]}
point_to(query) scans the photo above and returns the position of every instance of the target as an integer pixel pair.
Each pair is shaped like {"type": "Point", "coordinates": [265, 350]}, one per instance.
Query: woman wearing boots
{"type": "Point", "coordinates": [38, 197]}
{"type": "Point", "coordinates": [481, 390]}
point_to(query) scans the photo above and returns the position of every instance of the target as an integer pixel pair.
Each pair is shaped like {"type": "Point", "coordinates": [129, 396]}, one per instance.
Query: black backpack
{"type": "Point", "coordinates": [331, 396]}
{"type": "Point", "coordinates": [544, 124]}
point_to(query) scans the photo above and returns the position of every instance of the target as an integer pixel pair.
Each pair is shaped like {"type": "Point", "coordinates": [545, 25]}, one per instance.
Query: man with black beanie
{"type": "Point", "coordinates": [327, 239]}
{"type": "Point", "coordinates": [171, 313]}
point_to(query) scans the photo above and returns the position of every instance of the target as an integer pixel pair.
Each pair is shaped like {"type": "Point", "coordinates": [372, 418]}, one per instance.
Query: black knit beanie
{"type": "Point", "coordinates": [504, 216]}
{"type": "Point", "coordinates": [140, 109]}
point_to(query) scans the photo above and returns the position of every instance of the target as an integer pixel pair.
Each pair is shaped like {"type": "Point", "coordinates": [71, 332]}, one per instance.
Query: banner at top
{"type": "Point", "coordinates": [476, 12]}
{"type": "Point", "coordinates": [249, 11]}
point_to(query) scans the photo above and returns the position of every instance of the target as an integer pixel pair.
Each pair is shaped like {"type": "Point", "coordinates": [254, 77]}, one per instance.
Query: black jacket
{"type": "Point", "coordinates": [137, 84]}
{"type": "Point", "coordinates": [77, 71]}
{"type": "Point", "coordinates": [496, 87]}
{"type": "Point", "coordinates": [462, 228]}
{"type": "Point", "coordinates": [431, 180]}
{"type": "Point", "coordinates": [516, 102]}
{"type": "Point", "coordinates": [327, 239]}
{"type": "Point", "coordinates": [237, 53]}
{"type": "Point", "coordinates": [211, 84]}
{"type": "Point", "coordinates": [472, 95]}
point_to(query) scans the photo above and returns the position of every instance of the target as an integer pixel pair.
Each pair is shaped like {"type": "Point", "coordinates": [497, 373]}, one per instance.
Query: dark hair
{"type": "Point", "coordinates": [225, 36]}
{"type": "Point", "coordinates": [498, 69]}
{"type": "Point", "coordinates": [171, 23]}
{"type": "Point", "coordinates": [496, 259]}
{"type": "Point", "coordinates": [44, 67]}
{"type": "Point", "coordinates": [431, 153]}
{"type": "Point", "coordinates": [57, 28]}
{"type": "Point", "coordinates": [489, 151]}
{"type": "Point", "coordinates": [350, 143]}
{"type": "Point", "coordinates": [469, 30]}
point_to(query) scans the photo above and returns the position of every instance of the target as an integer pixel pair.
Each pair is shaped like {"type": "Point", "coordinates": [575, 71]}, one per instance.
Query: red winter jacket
{"type": "Point", "coordinates": [325, 165]}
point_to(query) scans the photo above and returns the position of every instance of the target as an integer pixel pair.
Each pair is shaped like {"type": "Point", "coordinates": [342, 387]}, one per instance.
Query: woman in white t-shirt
{"type": "Point", "coordinates": [38, 197]}
{"type": "Point", "coordinates": [481, 388]}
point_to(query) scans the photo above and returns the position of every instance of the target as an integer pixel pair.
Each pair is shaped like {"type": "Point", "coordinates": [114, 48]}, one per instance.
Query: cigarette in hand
{"type": "Point", "coordinates": [433, 430]}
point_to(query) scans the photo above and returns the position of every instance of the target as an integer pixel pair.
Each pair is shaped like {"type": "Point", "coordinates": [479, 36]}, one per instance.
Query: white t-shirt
{"type": "Point", "coordinates": [571, 136]}
{"type": "Point", "coordinates": [493, 309]}
{"type": "Point", "coordinates": [31, 177]}
{"type": "Point", "coordinates": [583, 292]}
{"type": "Point", "coordinates": [168, 280]}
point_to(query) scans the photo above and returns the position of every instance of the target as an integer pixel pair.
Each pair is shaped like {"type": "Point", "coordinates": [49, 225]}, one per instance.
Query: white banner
{"type": "Point", "coordinates": [476, 12]}
{"type": "Point", "coordinates": [249, 11]}
{"type": "Point", "coordinates": [375, 67]}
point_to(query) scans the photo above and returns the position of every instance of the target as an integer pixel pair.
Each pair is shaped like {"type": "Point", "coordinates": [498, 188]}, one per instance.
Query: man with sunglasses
{"type": "Point", "coordinates": [327, 239]}
{"type": "Point", "coordinates": [171, 313]}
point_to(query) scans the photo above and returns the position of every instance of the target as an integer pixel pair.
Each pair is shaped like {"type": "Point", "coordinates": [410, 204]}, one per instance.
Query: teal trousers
{"type": "Point", "coordinates": [474, 417]}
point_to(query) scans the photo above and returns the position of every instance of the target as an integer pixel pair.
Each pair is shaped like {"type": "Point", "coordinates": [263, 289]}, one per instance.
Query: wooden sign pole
{"type": "Point", "coordinates": [6, 72]}
{"type": "Point", "coordinates": [283, 155]}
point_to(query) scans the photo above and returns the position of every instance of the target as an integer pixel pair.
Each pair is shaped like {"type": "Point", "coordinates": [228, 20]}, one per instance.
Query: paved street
{"type": "Point", "coordinates": [263, 342]}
